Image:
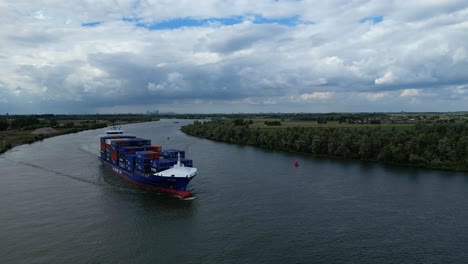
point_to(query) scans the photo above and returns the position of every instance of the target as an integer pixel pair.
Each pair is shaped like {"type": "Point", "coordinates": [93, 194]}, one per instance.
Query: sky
{"type": "Point", "coordinates": [233, 56]}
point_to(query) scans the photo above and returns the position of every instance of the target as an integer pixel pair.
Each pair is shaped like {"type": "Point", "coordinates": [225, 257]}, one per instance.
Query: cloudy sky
{"type": "Point", "coordinates": [233, 56]}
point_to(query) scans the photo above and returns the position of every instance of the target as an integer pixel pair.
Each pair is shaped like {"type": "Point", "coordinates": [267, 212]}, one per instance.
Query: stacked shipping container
{"type": "Point", "coordinates": [172, 153]}
{"type": "Point", "coordinates": [143, 160]}
{"type": "Point", "coordinates": [131, 153]}
{"type": "Point", "coordinates": [105, 148]}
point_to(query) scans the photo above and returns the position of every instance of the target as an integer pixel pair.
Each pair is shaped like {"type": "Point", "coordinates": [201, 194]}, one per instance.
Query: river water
{"type": "Point", "coordinates": [59, 205]}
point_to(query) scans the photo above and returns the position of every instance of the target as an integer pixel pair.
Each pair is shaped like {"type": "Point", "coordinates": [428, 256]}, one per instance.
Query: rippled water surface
{"type": "Point", "coordinates": [59, 205]}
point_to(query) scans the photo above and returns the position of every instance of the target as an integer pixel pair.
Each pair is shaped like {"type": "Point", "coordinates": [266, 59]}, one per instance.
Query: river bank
{"type": "Point", "coordinates": [432, 146]}
{"type": "Point", "coordinates": [13, 138]}
{"type": "Point", "coordinates": [19, 129]}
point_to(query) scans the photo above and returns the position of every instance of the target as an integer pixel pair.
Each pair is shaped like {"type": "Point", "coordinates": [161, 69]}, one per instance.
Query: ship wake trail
{"type": "Point", "coordinates": [54, 172]}
{"type": "Point", "coordinates": [106, 184]}
{"type": "Point", "coordinates": [189, 144]}
{"type": "Point", "coordinates": [87, 148]}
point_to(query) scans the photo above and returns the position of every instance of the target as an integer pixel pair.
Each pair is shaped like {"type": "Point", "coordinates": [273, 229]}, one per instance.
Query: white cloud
{"type": "Point", "coordinates": [410, 92]}
{"type": "Point", "coordinates": [418, 44]}
{"type": "Point", "coordinates": [317, 96]}
{"type": "Point", "coordinates": [459, 55]}
{"type": "Point", "coordinates": [174, 83]}
{"type": "Point", "coordinates": [388, 78]}
{"type": "Point", "coordinates": [462, 89]}
{"type": "Point", "coordinates": [377, 96]}
{"type": "Point", "coordinates": [152, 87]}
{"type": "Point", "coordinates": [40, 15]}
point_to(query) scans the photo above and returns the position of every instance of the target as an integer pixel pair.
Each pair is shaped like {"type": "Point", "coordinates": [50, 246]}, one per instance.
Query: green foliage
{"type": "Point", "coordinates": [68, 125]}
{"type": "Point", "coordinates": [24, 122]}
{"type": "Point", "coordinates": [273, 123]}
{"type": "Point", "coordinates": [32, 127]}
{"type": "Point", "coordinates": [4, 124]}
{"type": "Point", "coordinates": [321, 121]}
{"type": "Point", "coordinates": [442, 145]}
{"type": "Point", "coordinates": [53, 122]}
{"type": "Point", "coordinates": [238, 122]}
{"type": "Point", "coordinates": [39, 137]}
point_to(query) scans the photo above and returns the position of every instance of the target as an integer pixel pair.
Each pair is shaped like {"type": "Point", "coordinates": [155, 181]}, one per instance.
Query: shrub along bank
{"type": "Point", "coordinates": [441, 146]}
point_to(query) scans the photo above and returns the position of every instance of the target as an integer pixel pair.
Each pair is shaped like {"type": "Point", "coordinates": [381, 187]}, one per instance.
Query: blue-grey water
{"type": "Point", "coordinates": [59, 205]}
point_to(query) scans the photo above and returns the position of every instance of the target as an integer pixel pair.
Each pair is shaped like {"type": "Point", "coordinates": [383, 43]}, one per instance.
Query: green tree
{"type": "Point", "coordinates": [442, 145]}
{"type": "Point", "coordinates": [53, 122]}
{"type": "Point", "coordinates": [24, 122]}
{"type": "Point", "coordinates": [239, 122]}
{"type": "Point", "coordinates": [365, 147]}
{"type": "Point", "coordinates": [315, 146]}
{"type": "Point", "coordinates": [69, 124]}
{"type": "Point", "coordinates": [4, 124]}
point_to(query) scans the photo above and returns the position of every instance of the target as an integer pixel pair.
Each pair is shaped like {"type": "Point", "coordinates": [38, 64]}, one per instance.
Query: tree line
{"type": "Point", "coordinates": [31, 123]}
{"type": "Point", "coordinates": [443, 146]}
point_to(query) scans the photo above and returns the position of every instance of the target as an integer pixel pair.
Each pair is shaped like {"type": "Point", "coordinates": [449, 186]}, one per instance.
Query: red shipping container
{"type": "Point", "coordinates": [114, 155]}
{"type": "Point", "coordinates": [156, 148]}
{"type": "Point", "coordinates": [148, 154]}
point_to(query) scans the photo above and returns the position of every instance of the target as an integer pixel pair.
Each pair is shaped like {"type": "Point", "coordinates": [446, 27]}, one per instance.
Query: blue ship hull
{"type": "Point", "coordinates": [171, 185]}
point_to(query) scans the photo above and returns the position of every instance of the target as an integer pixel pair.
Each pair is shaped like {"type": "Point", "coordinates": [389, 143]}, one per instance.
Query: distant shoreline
{"type": "Point", "coordinates": [442, 146]}
{"type": "Point", "coordinates": [27, 129]}
{"type": "Point", "coordinates": [39, 137]}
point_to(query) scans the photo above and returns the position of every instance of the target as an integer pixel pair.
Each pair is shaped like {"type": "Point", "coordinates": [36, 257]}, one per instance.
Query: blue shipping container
{"type": "Point", "coordinates": [143, 168]}
{"type": "Point", "coordinates": [130, 159]}
{"type": "Point", "coordinates": [143, 163]}
{"type": "Point", "coordinates": [172, 153]}
{"type": "Point", "coordinates": [186, 162]}
{"type": "Point", "coordinates": [146, 154]}
{"type": "Point", "coordinates": [162, 164]}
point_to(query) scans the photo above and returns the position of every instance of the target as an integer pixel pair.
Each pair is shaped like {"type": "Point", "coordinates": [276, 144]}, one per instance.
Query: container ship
{"type": "Point", "coordinates": [146, 165]}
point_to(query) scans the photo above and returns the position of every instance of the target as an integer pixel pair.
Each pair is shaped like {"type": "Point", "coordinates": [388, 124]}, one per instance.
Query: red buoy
{"type": "Point", "coordinates": [296, 164]}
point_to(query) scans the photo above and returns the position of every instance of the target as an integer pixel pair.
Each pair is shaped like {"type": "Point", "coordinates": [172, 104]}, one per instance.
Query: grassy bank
{"type": "Point", "coordinates": [62, 125]}
{"type": "Point", "coordinates": [12, 138]}
{"type": "Point", "coordinates": [438, 145]}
